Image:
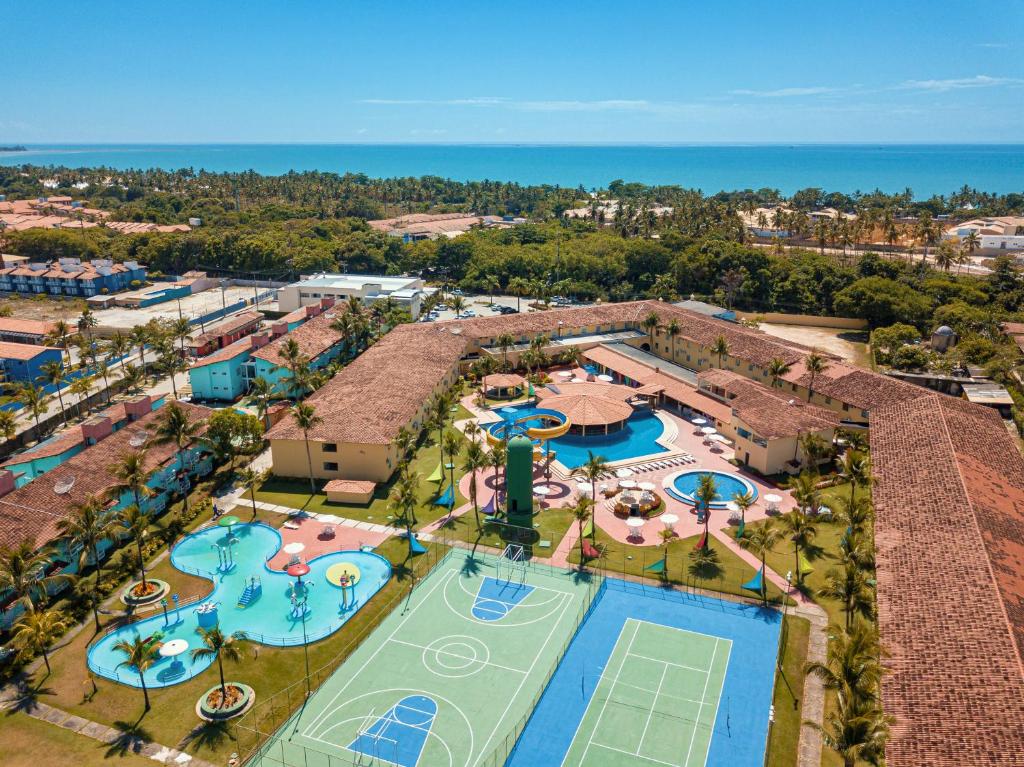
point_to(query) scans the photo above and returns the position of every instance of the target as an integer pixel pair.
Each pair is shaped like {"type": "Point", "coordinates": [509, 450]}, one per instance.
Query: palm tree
{"type": "Point", "coordinates": [84, 530]}
{"type": "Point", "coordinates": [650, 324]}
{"type": "Point", "coordinates": [855, 468]}
{"type": "Point", "coordinates": [33, 399]}
{"type": "Point", "coordinates": [743, 501]}
{"type": "Point", "coordinates": [219, 646]}
{"type": "Point", "coordinates": [134, 378]}
{"type": "Point", "coordinates": [492, 283]}
{"type": "Point", "coordinates": [53, 375]}
{"type": "Point", "coordinates": [23, 575]}
{"type": "Point", "coordinates": [777, 367]}
{"type": "Point", "coordinates": [440, 413]}
{"type": "Point", "coordinates": [592, 470]}
{"type": "Point", "coordinates": [672, 330]}
{"type": "Point", "coordinates": [8, 424]}
{"type": "Point", "coordinates": [306, 418]}
{"type": "Point", "coordinates": [59, 334]}
{"type": "Point", "coordinates": [667, 536]}
{"type": "Point", "coordinates": [518, 287]}
{"type": "Point", "coordinates": [37, 631]}
{"type": "Point", "coordinates": [850, 587]}
{"type": "Point", "coordinates": [814, 448]}
{"type": "Point", "coordinates": [262, 390]}
{"type": "Point", "coordinates": [134, 523]}
{"type": "Point", "coordinates": [405, 498]}
{"type": "Point", "coordinates": [852, 666]}
{"type": "Point", "coordinates": [855, 513]}
{"type": "Point", "coordinates": [505, 341]}
{"type": "Point", "coordinates": [103, 371]}
{"type": "Point", "coordinates": [720, 348]}
{"type": "Point", "coordinates": [81, 388]}
{"type": "Point", "coordinates": [175, 428]}
{"type": "Point", "coordinates": [806, 493]}
{"type": "Point", "coordinates": [473, 461]}
{"type": "Point", "coordinates": [131, 476]}
{"type": "Point", "coordinates": [759, 541]}
{"type": "Point", "coordinates": [119, 346]}
{"type": "Point", "coordinates": [801, 531]}
{"type": "Point", "coordinates": [180, 330]}
{"type": "Point", "coordinates": [581, 512]}
{"type": "Point", "coordinates": [458, 304]}
{"type": "Point", "coordinates": [496, 460]}
{"type": "Point", "coordinates": [141, 655]}
{"type": "Point", "coordinates": [707, 491]}
{"type": "Point", "coordinates": [451, 444]}
{"type": "Point", "coordinates": [140, 336]}
{"type": "Point", "coordinates": [856, 730]}
{"type": "Point", "coordinates": [171, 362]}
{"type": "Point", "coordinates": [404, 444]}
{"type": "Point", "coordinates": [815, 364]}
{"type": "Point", "coordinates": [249, 479]}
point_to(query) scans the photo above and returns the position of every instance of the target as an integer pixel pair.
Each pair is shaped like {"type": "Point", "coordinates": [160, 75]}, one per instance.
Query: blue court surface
{"type": "Point", "coordinates": [658, 678]}
{"type": "Point", "coordinates": [495, 599]}
{"type": "Point", "coordinates": [399, 735]}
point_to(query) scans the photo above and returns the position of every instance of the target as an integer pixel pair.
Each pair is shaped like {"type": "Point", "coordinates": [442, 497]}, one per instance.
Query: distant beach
{"type": "Point", "coordinates": [926, 169]}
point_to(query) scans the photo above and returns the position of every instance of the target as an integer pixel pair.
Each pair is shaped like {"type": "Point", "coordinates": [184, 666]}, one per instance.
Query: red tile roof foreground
{"type": "Point", "coordinates": [859, 388]}
{"type": "Point", "coordinates": [314, 337]}
{"type": "Point", "coordinates": [27, 327]}
{"type": "Point", "coordinates": [32, 511]}
{"type": "Point", "coordinates": [949, 529]}
{"type": "Point", "coordinates": [382, 389]}
{"type": "Point", "coordinates": [227, 327]}
{"type": "Point", "coordinates": [770, 413]}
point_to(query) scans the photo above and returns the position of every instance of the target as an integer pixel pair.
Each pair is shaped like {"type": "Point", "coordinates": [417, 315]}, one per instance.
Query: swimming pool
{"type": "Point", "coordinates": [638, 437]}
{"type": "Point", "coordinates": [685, 484]}
{"type": "Point", "coordinates": [268, 615]}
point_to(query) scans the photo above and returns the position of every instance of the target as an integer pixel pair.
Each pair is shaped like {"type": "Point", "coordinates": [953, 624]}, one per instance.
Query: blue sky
{"type": "Point", "coordinates": [553, 71]}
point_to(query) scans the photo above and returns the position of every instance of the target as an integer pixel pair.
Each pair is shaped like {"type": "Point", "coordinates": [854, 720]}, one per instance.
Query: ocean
{"type": "Point", "coordinates": [926, 169]}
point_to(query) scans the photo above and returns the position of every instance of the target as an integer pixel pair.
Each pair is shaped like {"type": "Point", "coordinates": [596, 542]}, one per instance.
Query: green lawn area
{"type": "Point", "coordinates": [789, 691]}
{"type": "Point", "coordinates": [549, 525]}
{"type": "Point", "coordinates": [26, 740]}
{"type": "Point", "coordinates": [172, 720]}
{"type": "Point", "coordinates": [295, 492]}
{"type": "Point", "coordinates": [728, 578]}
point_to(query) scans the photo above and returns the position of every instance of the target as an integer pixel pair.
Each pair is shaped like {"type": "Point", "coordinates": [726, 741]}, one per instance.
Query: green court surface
{"type": "Point", "coordinates": [448, 679]}
{"type": "Point", "coordinates": [656, 701]}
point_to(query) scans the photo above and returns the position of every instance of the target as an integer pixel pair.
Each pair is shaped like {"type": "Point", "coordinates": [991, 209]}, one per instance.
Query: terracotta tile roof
{"type": "Point", "coordinates": [314, 337]}
{"type": "Point", "coordinates": [1012, 328]}
{"type": "Point", "coordinates": [295, 316]}
{"type": "Point", "coordinates": [503, 380]}
{"type": "Point", "coordinates": [229, 352]}
{"type": "Point", "coordinates": [532, 323]}
{"type": "Point", "coordinates": [770, 413]}
{"type": "Point", "coordinates": [27, 327]}
{"type": "Point", "coordinates": [382, 389]}
{"type": "Point", "coordinates": [949, 529]}
{"type": "Point", "coordinates": [350, 486]}
{"type": "Point", "coordinates": [55, 445]}
{"type": "Point", "coordinates": [589, 409]}
{"type": "Point", "coordinates": [227, 327]}
{"type": "Point", "coordinates": [13, 351]}
{"type": "Point", "coordinates": [32, 511]}
{"type": "Point", "coordinates": [857, 387]}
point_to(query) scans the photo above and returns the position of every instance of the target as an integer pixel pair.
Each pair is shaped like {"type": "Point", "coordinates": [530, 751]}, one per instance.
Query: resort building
{"type": "Point", "coordinates": [1001, 234]}
{"type": "Point", "coordinates": [407, 292]}
{"type": "Point", "coordinates": [224, 333]}
{"type": "Point", "coordinates": [226, 374]}
{"type": "Point", "coordinates": [71, 277]}
{"type": "Point", "coordinates": [317, 340]}
{"type": "Point", "coordinates": [55, 450]}
{"type": "Point", "coordinates": [430, 226]}
{"type": "Point", "coordinates": [23, 362]}
{"type": "Point", "coordinates": [22, 331]}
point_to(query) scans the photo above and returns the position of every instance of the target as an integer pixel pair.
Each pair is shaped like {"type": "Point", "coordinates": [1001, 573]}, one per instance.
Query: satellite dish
{"type": "Point", "coordinates": [63, 486]}
{"type": "Point", "coordinates": [138, 439]}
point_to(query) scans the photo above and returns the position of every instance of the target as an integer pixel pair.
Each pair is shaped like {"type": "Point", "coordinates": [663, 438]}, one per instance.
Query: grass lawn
{"type": "Point", "coordinates": [26, 740]}
{"type": "Point", "coordinates": [728, 578]}
{"type": "Point", "coordinates": [784, 739]}
{"type": "Point", "coordinates": [295, 492]}
{"type": "Point", "coordinates": [172, 720]}
{"type": "Point", "coordinates": [549, 525]}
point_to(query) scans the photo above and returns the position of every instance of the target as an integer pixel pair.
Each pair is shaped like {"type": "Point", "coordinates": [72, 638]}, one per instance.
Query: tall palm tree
{"type": "Point", "coordinates": [53, 375]}
{"type": "Point", "coordinates": [140, 654]}
{"type": "Point", "coordinates": [451, 443]}
{"type": "Point", "coordinates": [84, 530]}
{"type": "Point", "coordinates": [86, 322]}
{"type": "Point", "coordinates": [581, 512]}
{"type": "Point", "coordinates": [134, 378]}
{"type": "Point", "coordinates": [849, 586]}
{"type": "Point", "coordinates": [23, 575]}
{"type": "Point", "coordinates": [672, 330]}
{"type": "Point", "coordinates": [119, 346]}
{"type": "Point", "coordinates": [852, 666]}
{"type": "Point", "coordinates": [458, 304]}
{"type": "Point", "coordinates": [815, 364]}
{"type": "Point", "coordinates": [404, 443]}
{"type": "Point", "coordinates": [306, 418]}
{"type": "Point", "coordinates": [801, 531]}
{"type": "Point", "coordinates": [720, 348]}
{"type": "Point", "coordinates": [504, 341]}
{"type": "Point", "coordinates": [743, 502]}
{"type": "Point", "coordinates": [81, 388]}
{"type": "Point", "coordinates": [140, 336]}
{"type": "Point", "coordinates": [249, 479]}
{"type": "Point", "coordinates": [262, 390]}
{"type": "Point", "coordinates": [777, 367]}
{"type": "Point", "coordinates": [175, 428]}
{"type": "Point", "coordinates": [180, 330]}
{"type": "Point", "coordinates": [650, 324]}
{"type": "Point", "coordinates": [518, 287]}
{"type": "Point", "coordinates": [592, 470]}
{"type": "Point", "coordinates": [134, 523]}
{"type": "Point", "coordinates": [472, 462]}
{"type": "Point", "coordinates": [170, 362]}
{"type": "Point", "coordinates": [37, 631]}
{"type": "Point", "coordinates": [855, 467]}
{"type": "Point", "coordinates": [219, 646]}
{"type": "Point", "coordinates": [405, 498]}
{"type": "Point", "coordinates": [33, 399]}
{"type": "Point", "coordinates": [805, 491]}
{"type": "Point", "coordinates": [759, 541]}
{"type": "Point", "coordinates": [59, 335]}
{"type": "Point", "coordinates": [707, 491]}
{"type": "Point", "coordinates": [132, 477]}
{"type": "Point", "coordinates": [440, 414]}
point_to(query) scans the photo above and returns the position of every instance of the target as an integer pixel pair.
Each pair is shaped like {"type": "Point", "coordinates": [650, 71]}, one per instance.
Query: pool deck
{"type": "Point", "coordinates": [310, 532]}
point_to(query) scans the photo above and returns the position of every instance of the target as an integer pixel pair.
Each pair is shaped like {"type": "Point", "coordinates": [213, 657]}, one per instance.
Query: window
{"type": "Point", "coordinates": [330, 466]}
{"type": "Point", "coordinates": [330, 447]}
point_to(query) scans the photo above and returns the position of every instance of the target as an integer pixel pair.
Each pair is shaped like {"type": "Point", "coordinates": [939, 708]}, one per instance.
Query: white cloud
{"type": "Point", "coordinates": [605, 105]}
{"type": "Point", "coordinates": [817, 90]}
{"type": "Point", "coordinates": [484, 101]}
{"type": "Point", "coordinates": [958, 83]}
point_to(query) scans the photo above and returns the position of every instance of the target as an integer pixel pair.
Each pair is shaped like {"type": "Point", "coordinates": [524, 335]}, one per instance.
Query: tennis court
{"type": "Point", "coordinates": [656, 702]}
{"type": "Point", "coordinates": [449, 680]}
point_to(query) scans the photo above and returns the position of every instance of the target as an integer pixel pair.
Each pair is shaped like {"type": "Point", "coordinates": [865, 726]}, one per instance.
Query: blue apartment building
{"type": "Point", "coordinates": [71, 277]}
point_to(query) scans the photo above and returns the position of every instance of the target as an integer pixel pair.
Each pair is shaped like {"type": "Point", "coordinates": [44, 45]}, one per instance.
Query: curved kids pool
{"type": "Point", "coordinates": [685, 484]}
{"type": "Point", "coordinates": [247, 596]}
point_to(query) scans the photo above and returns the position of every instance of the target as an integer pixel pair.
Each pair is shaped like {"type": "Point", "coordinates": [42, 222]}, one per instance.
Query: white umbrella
{"type": "Point", "coordinates": [565, 373]}
{"type": "Point", "coordinates": [541, 490]}
{"type": "Point", "coordinates": [717, 438]}
{"type": "Point", "coordinates": [698, 421]}
{"type": "Point", "coordinates": [623, 473]}
{"type": "Point", "coordinates": [605, 377]}
{"type": "Point", "coordinates": [646, 486]}
{"type": "Point", "coordinates": [629, 484]}
{"type": "Point", "coordinates": [709, 430]}
{"type": "Point", "coordinates": [576, 380]}
{"type": "Point", "coordinates": [173, 648]}
{"type": "Point", "coordinates": [294, 547]}
{"type": "Point", "coordinates": [772, 498]}
{"type": "Point", "coordinates": [669, 520]}
{"type": "Point", "coordinates": [732, 506]}
{"type": "Point", "coordinates": [634, 524]}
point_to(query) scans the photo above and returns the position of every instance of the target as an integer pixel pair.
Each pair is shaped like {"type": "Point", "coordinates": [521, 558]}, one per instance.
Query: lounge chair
{"type": "Point", "coordinates": [291, 525]}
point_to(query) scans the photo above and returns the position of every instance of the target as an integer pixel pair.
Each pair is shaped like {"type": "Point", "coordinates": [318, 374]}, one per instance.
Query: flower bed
{"type": "Point", "coordinates": [155, 591]}
{"type": "Point", "coordinates": [240, 698]}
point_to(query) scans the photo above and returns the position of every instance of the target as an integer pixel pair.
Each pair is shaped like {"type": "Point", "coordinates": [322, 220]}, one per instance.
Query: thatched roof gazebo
{"type": "Point", "coordinates": [503, 385]}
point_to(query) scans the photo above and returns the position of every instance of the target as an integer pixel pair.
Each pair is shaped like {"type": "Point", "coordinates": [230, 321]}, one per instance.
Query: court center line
{"type": "Point", "coordinates": [654, 705]}
{"type": "Point", "coordinates": [630, 753]}
{"type": "Point", "coordinates": [693, 734]}
{"type": "Point", "coordinates": [456, 655]}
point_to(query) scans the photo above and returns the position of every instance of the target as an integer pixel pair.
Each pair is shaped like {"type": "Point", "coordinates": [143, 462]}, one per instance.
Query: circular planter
{"type": "Point", "coordinates": [245, 698]}
{"type": "Point", "coordinates": [162, 588]}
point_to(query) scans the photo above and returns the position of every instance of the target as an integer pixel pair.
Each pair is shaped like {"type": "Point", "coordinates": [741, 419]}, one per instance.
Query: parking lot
{"type": "Point", "coordinates": [124, 318]}
{"type": "Point", "coordinates": [480, 306]}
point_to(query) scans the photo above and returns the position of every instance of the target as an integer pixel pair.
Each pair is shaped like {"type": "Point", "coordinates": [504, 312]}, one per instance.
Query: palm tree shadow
{"type": "Point", "coordinates": [27, 695]}
{"type": "Point", "coordinates": [131, 740]}
{"type": "Point", "coordinates": [470, 566]}
{"type": "Point", "coordinates": [208, 735]}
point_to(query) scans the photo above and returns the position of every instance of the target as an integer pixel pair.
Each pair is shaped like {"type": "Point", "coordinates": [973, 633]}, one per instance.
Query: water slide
{"type": "Point", "coordinates": [553, 425]}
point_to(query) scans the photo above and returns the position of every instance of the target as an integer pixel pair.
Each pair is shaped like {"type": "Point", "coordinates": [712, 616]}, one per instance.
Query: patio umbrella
{"type": "Point", "coordinates": [717, 438]}
{"type": "Point", "coordinates": [623, 473]}
{"type": "Point", "coordinates": [541, 490]}
{"type": "Point", "coordinates": [669, 520]}
{"type": "Point", "coordinates": [295, 547]}
{"type": "Point", "coordinates": [635, 524]}
{"type": "Point", "coordinates": [605, 377]}
{"type": "Point", "coordinates": [732, 506]}
{"type": "Point", "coordinates": [772, 498]}
{"type": "Point", "coordinates": [646, 486]}
{"type": "Point", "coordinates": [709, 430]}
{"type": "Point", "coordinates": [565, 373]}
{"type": "Point", "coordinates": [228, 521]}
{"type": "Point", "coordinates": [698, 421]}
{"type": "Point", "coordinates": [629, 484]}
{"type": "Point", "coordinates": [298, 570]}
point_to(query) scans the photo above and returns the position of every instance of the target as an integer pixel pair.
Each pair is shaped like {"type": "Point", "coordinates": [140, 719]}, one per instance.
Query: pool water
{"type": "Point", "coordinates": [268, 618]}
{"type": "Point", "coordinates": [638, 437]}
{"type": "Point", "coordinates": [726, 485]}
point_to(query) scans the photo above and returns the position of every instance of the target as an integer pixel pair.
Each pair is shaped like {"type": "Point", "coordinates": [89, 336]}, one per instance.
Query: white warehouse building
{"type": "Point", "coordinates": [407, 292]}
